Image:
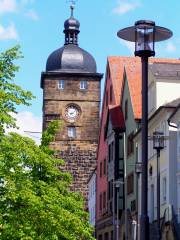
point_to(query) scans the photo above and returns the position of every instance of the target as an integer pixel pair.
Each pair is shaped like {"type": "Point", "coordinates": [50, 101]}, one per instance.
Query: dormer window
{"type": "Point", "coordinates": [61, 84]}
{"type": "Point", "coordinates": [83, 85]}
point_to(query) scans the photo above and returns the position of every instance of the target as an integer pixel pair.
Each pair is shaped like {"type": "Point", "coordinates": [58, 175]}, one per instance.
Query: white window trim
{"type": "Point", "coordinates": [71, 132]}
{"type": "Point", "coordinates": [83, 85]}
{"type": "Point", "coordinates": [61, 84]}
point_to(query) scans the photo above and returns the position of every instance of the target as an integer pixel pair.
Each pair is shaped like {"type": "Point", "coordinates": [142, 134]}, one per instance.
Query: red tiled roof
{"type": "Point", "coordinates": [132, 66]}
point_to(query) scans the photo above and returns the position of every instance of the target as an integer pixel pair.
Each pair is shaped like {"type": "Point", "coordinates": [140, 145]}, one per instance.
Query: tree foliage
{"type": "Point", "coordinates": [35, 200]}
{"type": "Point", "coordinates": [11, 94]}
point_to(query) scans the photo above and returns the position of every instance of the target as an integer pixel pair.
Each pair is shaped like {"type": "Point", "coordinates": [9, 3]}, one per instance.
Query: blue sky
{"type": "Point", "coordinates": [37, 25]}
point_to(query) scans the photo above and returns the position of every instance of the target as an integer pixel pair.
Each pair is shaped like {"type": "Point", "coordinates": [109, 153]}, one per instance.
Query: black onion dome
{"type": "Point", "coordinates": [71, 23]}
{"type": "Point", "coordinates": [71, 58]}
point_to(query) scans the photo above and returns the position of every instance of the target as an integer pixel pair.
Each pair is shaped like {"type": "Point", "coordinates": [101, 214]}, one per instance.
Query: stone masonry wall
{"type": "Point", "coordinates": [80, 164]}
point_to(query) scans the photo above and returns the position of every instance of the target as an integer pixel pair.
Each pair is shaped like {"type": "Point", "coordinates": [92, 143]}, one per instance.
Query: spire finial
{"type": "Point", "coordinates": [72, 9]}
{"type": "Point", "coordinates": [72, 6]}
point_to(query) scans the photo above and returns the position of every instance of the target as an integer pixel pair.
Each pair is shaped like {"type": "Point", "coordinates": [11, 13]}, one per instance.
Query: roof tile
{"type": "Point", "coordinates": [132, 65]}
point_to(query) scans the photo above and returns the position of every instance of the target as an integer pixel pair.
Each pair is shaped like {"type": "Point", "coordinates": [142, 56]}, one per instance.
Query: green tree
{"type": "Point", "coordinates": [35, 200]}
{"type": "Point", "coordinates": [11, 94]}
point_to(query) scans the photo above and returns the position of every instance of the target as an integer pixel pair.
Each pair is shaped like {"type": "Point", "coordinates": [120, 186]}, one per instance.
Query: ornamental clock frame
{"type": "Point", "coordinates": [71, 93]}
{"type": "Point", "coordinates": [72, 112]}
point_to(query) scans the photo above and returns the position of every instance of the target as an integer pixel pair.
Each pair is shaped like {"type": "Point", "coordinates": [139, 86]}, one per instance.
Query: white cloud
{"type": "Point", "coordinates": [8, 33]}
{"type": "Point", "coordinates": [129, 45]}
{"type": "Point", "coordinates": [170, 47]}
{"type": "Point", "coordinates": [125, 6]}
{"type": "Point", "coordinates": [32, 14]}
{"type": "Point", "coordinates": [29, 125]}
{"type": "Point", "coordinates": [8, 6]}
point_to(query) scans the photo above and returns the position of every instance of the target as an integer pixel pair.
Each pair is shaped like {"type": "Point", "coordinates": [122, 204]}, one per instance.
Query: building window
{"type": "Point", "coordinates": [106, 236]}
{"type": "Point", "coordinates": [164, 184]}
{"type": "Point", "coordinates": [110, 152]}
{"type": "Point", "coordinates": [71, 132]}
{"type": "Point", "coordinates": [111, 94]}
{"type": "Point", "coordinates": [100, 169]}
{"type": "Point", "coordinates": [130, 184]}
{"type": "Point", "coordinates": [130, 144]}
{"type": "Point", "coordinates": [52, 117]}
{"type": "Point", "coordinates": [100, 237]}
{"type": "Point", "coordinates": [111, 235]}
{"type": "Point", "coordinates": [83, 85]}
{"type": "Point", "coordinates": [100, 202]}
{"type": "Point", "coordinates": [104, 166]}
{"type": "Point", "coordinates": [126, 109]}
{"type": "Point", "coordinates": [104, 200]}
{"type": "Point", "coordinates": [133, 205]}
{"type": "Point", "coordinates": [61, 84]}
{"type": "Point", "coordinates": [110, 189]}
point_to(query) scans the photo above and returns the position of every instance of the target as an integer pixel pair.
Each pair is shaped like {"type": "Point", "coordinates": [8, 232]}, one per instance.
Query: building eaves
{"type": "Point", "coordinates": [154, 115]}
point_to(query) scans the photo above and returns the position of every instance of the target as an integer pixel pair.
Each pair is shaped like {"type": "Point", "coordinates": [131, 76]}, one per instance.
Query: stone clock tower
{"type": "Point", "coordinates": [71, 93]}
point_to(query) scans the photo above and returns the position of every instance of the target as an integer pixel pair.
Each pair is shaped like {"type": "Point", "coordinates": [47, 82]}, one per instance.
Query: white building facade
{"type": "Point", "coordinates": [163, 88]}
{"type": "Point", "coordinates": [167, 162]}
{"type": "Point", "coordinates": [174, 121]}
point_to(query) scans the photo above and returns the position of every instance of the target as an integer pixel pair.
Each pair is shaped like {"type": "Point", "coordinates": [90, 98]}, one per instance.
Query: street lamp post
{"type": "Point", "coordinates": [158, 145]}
{"type": "Point", "coordinates": [144, 33]}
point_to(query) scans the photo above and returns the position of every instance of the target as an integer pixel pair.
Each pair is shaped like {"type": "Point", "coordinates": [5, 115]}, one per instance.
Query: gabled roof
{"type": "Point", "coordinates": [132, 66]}
{"type": "Point", "coordinates": [133, 75]}
{"type": "Point", "coordinates": [120, 66]}
{"type": "Point", "coordinates": [116, 66]}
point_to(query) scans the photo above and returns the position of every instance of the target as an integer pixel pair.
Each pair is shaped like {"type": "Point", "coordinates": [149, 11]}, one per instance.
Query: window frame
{"type": "Point", "coordinates": [130, 144]}
{"type": "Point", "coordinates": [83, 85]}
{"type": "Point", "coordinates": [104, 200]}
{"type": "Point", "coordinates": [130, 183]}
{"type": "Point", "coordinates": [71, 131]}
{"type": "Point", "coordinates": [61, 84]}
{"type": "Point", "coordinates": [100, 202]}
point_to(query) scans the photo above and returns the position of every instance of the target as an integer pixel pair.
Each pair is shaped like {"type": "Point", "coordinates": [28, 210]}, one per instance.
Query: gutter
{"type": "Point", "coordinates": [172, 115]}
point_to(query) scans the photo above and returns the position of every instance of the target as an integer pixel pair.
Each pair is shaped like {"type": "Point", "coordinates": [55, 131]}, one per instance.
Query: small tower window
{"type": "Point", "coordinates": [83, 85]}
{"type": "Point", "coordinates": [61, 84]}
{"type": "Point", "coordinates": [71, 132]}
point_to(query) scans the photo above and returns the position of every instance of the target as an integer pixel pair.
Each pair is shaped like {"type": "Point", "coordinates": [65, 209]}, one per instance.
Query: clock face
{"type": "Point", "coordinates": [71, 113]}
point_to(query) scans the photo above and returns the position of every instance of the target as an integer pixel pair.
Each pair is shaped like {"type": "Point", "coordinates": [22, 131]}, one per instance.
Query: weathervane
{"type": "Point", "coordinates": [73, 2]}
